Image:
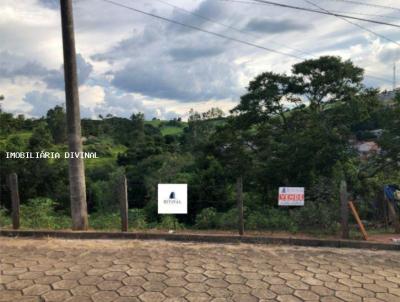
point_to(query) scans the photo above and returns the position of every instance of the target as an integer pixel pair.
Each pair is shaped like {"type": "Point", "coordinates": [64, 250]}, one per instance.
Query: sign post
{"type": "Point", "coordinates": [172, 199]}
{"type": "Point", "coordinates": [291, 196]}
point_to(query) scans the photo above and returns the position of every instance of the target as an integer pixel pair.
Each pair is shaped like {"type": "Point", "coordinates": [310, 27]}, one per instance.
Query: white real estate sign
{"type": "Point", "coordinates": [172, 199]}
{"type": "Point", "coordinates": [291, 196]}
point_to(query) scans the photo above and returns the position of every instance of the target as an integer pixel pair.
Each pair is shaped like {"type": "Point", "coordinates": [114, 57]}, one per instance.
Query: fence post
{"type": "Point", "coordinates": [123, 202]}
{"type": "Point", "coordinates": [344, 210]}
{"type": "Point", "coordinates": [13, 184]}
{"type": "Point", "coordinates": [239, 199]}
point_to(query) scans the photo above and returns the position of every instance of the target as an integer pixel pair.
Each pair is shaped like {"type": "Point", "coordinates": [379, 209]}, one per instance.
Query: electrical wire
{"type": "Point", "coordinates": [324, 12]}
{"type": "Point", "coordinates": [368, 4]}
{"type": "Point", "coordinates": [353, 23]}
{"type": "Point", "coordinates": [201, 29]}
{"type": "Point", "coordinates": [229, 26]}
{"type": "Point", "coordinates": [213, 33]}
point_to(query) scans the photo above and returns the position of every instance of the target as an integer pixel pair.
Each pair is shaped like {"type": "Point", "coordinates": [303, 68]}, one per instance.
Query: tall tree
{"type": "Point", "coordinates": [57, 122]}
{"type": "Point", "coordinates": [327, 79]}
{"type": "Point", "coordinates": [76, 166]}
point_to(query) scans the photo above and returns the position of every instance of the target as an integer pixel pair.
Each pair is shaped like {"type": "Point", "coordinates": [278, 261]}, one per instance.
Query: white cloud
{"type": "Point", "coordinates": [135, 63]}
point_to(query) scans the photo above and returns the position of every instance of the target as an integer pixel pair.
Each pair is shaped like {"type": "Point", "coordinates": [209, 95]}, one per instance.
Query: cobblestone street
{"type": "Point", "coordinates": [151, 271]}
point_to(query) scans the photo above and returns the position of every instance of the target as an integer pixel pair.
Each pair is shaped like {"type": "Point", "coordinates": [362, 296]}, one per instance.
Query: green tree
{"type": "Point", "coordinates": [327, 79]}
{"type": "Point", "coordinates": [57, 121]}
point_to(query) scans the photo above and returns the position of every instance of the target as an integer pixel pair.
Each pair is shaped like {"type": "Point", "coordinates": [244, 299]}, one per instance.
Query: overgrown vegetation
{"type": "Point", "coordinates": [288, 130]}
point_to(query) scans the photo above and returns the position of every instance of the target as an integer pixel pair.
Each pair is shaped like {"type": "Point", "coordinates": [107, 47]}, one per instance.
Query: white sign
{"type": "Point", "coordinates": [172, 199]}
{"type": "Point", "coordinates": [291, 196]}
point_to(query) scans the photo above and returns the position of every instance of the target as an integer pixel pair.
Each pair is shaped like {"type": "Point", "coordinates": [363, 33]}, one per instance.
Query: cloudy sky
{"type": "Point", "coordinates": [129, 62]}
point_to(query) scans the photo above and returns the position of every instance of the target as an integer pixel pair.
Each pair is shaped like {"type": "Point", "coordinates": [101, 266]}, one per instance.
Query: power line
{"type": "Point", "coordinates": [368, 4]}
{"type": "Point", "coordinates": [245, 32]}
{"type": "Point", "coordinates": [213, 33]}
{"type": "Point", "coordinates": [201, 29]}
{"type": "Point", "coordinates": [228, 26]}
{"type": "Point", "coordinates": [324, 12]}
{"type": "Point", "coordinates": [353, 23]}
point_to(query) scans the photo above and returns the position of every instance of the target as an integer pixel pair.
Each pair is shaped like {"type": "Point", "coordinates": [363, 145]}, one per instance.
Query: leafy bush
{"type": "Point", "coordinates": [39, 213]}
{"type": "Point", "coordinates": [137, 219]}
{"type": "Point", "coordinates": [105, 221]}
{"type": "Point", "coordinates": [207, 219]}
{"type": "Point", "coordinates": [228, 220]}
{"type": "Point", "coordinates": [170, 222]}
{"type": "Point", "coordinates": [5, 219]}
{"type": "Point", "coordinates": [321, 210]}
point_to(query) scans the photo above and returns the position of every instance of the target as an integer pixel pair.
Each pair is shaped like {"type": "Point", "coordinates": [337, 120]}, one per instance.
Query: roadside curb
{"type": "Point", "coordinates": [204, 238]}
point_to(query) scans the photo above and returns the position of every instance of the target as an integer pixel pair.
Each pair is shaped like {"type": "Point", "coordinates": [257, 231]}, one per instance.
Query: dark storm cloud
{"type": "Point", "coordinates": [389, 55]}
{"type": "Point", "coordinates": [132, 46]}
{"type": "Point", "coordinates": [41, 102]}
{"type": "Point", "coordinates": [210, 9]}
{"type": "Point", "coordinates": [192, 53]}
{"type": "Point", "coordinates": [55, 78]}
{"type": "Point", "coordinates": [183, 81]}
{"type": "Point", "coordinates": [275, 26]}
{"type": "Point", "coordinates": [12, 66]}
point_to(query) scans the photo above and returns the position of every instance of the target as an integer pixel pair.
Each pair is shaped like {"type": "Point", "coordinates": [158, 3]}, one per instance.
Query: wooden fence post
{"type": "Point", "coordinates": [123, 202]}
{"type": "Point", "coordinates": [344, 210]}
{"type": "Point", "coordinates": [239, 199]}
{"type": "Point", "coordinates": [13, 184]}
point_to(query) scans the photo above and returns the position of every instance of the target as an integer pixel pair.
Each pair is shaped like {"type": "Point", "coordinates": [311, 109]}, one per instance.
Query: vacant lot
{"type": "Point", "coordinates": [119, 270]}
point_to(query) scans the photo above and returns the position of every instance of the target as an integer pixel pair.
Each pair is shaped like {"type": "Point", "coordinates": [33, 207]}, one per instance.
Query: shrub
{"type": "Point", "coordinates": [39, 213]}
{"type": "Point", "coordinates": [321, 210]}
{"type": "Point", "coordinates": [5, 219]}
{"type": "Point", "coordinates": [105, 221]}
{"type": "Point", "coordinates": [228, 220]}
{"type": "Point", "coordinates": [207, 219]}
{"type": "Point", "coordinates": [137, 219]}
{"type": "Point", "coordinates": [170, 222]}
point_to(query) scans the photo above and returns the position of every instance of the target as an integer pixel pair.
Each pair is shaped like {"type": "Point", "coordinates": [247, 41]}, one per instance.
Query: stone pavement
{"type": "Point", "coordinates": [122, 270]}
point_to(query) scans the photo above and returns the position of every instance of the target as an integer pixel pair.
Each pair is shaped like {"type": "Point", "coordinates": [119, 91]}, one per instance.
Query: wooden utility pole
{"type": "Point", "coordinates": [344, 210]}
{"type": "Point", "coordinates": [77, 184]}
{"type": "Point", "coordinates": [123, 202]}
{"type": "Point", "coordinates": [13, 185]}
{"type": "Point", "coordinates": [239, 200]}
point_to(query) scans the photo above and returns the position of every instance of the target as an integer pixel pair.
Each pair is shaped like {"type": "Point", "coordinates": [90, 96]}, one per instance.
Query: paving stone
{"type": "Point", "coordinates": [198, 297]}
{"type": "Point", "coordinates": [109, 285]}
{"type": "Point", "coordinates": [219, 292]}
{"type": "Point", "coordinates": [235, 279]}
{"type": "Point", "coordinates": [175, 292]}
{"type": "Point", "coordinates": [105, 296]}
{"type": "Point", "coordinates": [347, 296]}
{"type": "Point", "coordinates": [387, 297]}
{"type": "Point", "coordinates": [263, 293]}
{"type": "Point", "coordinates": [19, 284]}
{"type": "Point", "coordinates": [322, 290]}
{"type": "Point", "coordinates": [37, 289]}
{"type": "Point", "coordinates": [56, 296]}
{"type": "Point", "coordinates": [175, 281]}
{"type": "Point", "coordinates": [152, 297]}
{"type": "Point", "coordinates": [90, 280]}
{"type": "Point", "coordinates": [124, 271]}
{"type": "Point", "coordinates": [306, 295]}
{"type": "Point", "coordinates": [195, 277]}
{"type": "Point", "coordinates": [154, 286]}
{"type": "Point", "coordinates": [84, 290]}
{"type": "Point", "coordinates": [217, 283]}
{"type": "Point", "coordinates": [281, 289]}
{"type": "Point", "coordinates": [65, 284]}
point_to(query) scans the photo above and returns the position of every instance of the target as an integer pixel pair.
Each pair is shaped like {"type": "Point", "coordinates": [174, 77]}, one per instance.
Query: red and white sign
{"type": "Point", "coordinates": [291, 196]}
